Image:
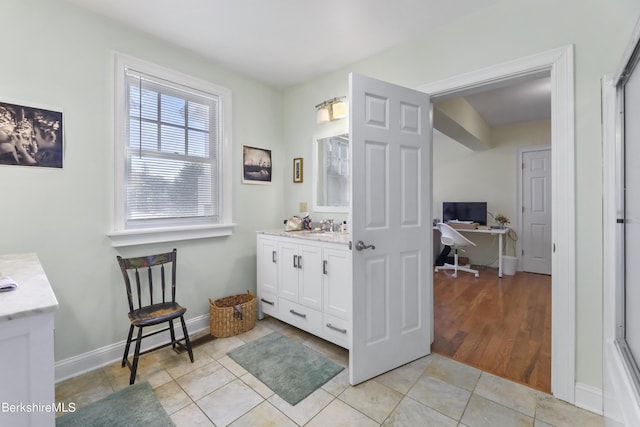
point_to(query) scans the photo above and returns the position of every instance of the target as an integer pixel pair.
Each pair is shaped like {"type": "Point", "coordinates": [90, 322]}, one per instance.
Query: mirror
{"type": "Point", "coordinates": [331, 174]}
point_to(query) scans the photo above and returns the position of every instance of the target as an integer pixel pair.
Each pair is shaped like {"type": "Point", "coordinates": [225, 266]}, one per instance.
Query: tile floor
{"type": "Point", "coordinates": [432, 391]}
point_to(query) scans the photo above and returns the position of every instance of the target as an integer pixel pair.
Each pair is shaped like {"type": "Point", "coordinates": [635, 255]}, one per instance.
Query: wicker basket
{"type": "Point", "coordinates": [232, 315]}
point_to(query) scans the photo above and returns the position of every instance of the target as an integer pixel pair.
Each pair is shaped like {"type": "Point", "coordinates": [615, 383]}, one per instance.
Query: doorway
{"type": "Point", "coordinates": [500, 325]}
{"type": "Point", "coordinates": [559, 64]}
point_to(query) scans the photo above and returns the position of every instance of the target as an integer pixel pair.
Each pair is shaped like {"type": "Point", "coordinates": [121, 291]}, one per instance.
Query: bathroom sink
{"type": "Point", "coordinates": [318, 233]}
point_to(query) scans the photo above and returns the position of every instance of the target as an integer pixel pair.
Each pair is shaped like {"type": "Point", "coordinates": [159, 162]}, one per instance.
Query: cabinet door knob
{"type": "Point", "coordinates": [324, 267]}
{"type": "Point", "coordinates": [273, 257]}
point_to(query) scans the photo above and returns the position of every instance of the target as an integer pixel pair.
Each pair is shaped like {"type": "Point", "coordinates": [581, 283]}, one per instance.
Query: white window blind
{"type": "Point", "coordinates": [171, 158]}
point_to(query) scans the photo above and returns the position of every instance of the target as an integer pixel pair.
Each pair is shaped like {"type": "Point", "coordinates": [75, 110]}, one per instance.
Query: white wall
{"type": "Point", "coordinates": [57, 55]}
{"type": "Point", "coordinates": [464, 175]}
{"type": "Point", "coordinates": [512, 29]}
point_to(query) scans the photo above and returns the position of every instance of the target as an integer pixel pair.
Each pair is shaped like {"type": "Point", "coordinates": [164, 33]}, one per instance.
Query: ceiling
{"type": "Point", "coordinates": [286, 42]}
{"type": "Point", "coordinates": [521, 101]}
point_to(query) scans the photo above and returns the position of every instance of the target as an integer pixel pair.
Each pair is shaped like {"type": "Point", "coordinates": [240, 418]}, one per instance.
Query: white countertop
{"type": "Point", "coordinates": [329, 237]}
{"type": "Point", "coordinates": [34, 293]}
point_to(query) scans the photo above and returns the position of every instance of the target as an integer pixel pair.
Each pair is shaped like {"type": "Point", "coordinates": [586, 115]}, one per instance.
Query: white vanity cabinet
{"type": "Point", "coordinates": [300, 284]}
{"type": "Point", "coordinates": [336, 284]}
{"type": "Point", "coordinates": [305, 280]}
{"type": "Point", "coordinates": [300, 273]}
{"type": "Point", "coordinates": [267, 255]}
{"type": "Point", "coordinates": [27, 386]}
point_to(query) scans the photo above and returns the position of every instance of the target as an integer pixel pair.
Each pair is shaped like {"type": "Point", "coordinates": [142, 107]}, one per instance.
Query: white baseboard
{"type": "Point", "coordinates": [589, 398]}
{"type": "Point", "coordinates": [104, 356]}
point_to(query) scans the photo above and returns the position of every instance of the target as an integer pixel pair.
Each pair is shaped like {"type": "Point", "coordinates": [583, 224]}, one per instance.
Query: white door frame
{"type": "Point", "coordinates": [519, 183]}
{"type": "Point", "coordinates": [559, 64]}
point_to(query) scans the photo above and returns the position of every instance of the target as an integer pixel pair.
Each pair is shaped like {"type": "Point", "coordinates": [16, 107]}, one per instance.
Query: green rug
{"type": "Point", "coordinates": [135, 405]}
{"type": "Point", "coordinates": [290, 369]}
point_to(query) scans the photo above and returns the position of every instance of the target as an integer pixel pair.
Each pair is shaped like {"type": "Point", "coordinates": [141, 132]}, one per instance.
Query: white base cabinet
{"type": "Point", "coordinates": [27, 387]}
{"type": "Point", "coordinates": [267, 267]}
{"type": "Point", "coordinates": [27, 392]}
{"type": "Point", "coordinates": [306, 283]}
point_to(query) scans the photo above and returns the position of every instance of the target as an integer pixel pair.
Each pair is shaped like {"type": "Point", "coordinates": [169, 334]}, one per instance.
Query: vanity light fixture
{"type": "Point", "coordinates": [331, 109]}
{"type": "Point", "coordinates": [339, 109]}
{"type": "Point", "coordinates": [323, 115]}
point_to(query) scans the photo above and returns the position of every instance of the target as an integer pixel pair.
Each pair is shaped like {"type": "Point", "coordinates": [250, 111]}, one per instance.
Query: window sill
{"type": "Point", "coordinates": [155, 235]}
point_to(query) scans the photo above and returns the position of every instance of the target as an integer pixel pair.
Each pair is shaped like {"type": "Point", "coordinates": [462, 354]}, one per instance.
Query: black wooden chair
{"type": "Point", "coordinates": [144, 270]}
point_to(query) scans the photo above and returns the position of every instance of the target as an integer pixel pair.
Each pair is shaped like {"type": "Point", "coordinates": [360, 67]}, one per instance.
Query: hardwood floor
{"type": "Point", "coordinates": [502, 326]}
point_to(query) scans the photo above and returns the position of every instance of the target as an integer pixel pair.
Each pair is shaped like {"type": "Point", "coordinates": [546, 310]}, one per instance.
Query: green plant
{"type": "Point", "coordinates": [500, 219]}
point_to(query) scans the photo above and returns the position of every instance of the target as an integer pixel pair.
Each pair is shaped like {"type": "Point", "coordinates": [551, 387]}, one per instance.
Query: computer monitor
{"type": "Point", "coordinates": [465, 211]}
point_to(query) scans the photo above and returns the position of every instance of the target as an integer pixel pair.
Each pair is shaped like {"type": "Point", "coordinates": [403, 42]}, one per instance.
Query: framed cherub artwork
{"type": "Point", "coordinates": [30, 136]}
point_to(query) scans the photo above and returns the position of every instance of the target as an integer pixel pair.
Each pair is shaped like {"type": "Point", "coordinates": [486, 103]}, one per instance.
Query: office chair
{"type": "Point", "coordinates": [449, 236]}
{"type": "Point", "coordinates": [147, 312]}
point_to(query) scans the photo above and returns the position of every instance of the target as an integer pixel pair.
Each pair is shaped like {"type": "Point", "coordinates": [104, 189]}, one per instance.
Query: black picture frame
{"type": "Point", "coordinates": [256, 165]}
{"type": "Point", "coordinates": [30, 136]}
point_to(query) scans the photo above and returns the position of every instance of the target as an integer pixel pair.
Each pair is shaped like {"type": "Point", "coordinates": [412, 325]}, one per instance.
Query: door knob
{"type": "Point", "coordinates": [361, 246]}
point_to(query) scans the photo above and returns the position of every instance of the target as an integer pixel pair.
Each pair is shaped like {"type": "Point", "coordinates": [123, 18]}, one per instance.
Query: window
{"type": "Point", "coordinates": [172, 181]}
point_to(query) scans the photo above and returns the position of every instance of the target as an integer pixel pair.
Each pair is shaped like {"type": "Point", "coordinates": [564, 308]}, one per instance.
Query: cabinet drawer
{"type": "Point", "coordinates": [337, 330]}
{"type": "Point", "coordinates": [300, 316]}
{"type": "Point", "coordinates": [268, 303]}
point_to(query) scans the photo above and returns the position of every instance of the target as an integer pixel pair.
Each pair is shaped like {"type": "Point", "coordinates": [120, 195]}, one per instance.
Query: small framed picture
{"type": "Point", "coordinates": [256, 165]}
{"type": "Point", "coordinates": [297, 170]}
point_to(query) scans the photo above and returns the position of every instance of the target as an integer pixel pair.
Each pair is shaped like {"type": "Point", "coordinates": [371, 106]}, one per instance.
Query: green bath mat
{"type": "Point", "coordinates": [135, 405]}
{"type": "Point", "coordinates": [290, 369]}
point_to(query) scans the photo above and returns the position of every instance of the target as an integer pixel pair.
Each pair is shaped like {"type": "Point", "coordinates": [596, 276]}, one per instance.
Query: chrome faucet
{"type": "Point", "coordinates": [327, 225]}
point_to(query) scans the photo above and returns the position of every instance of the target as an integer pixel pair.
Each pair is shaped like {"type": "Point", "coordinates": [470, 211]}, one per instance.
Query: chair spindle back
{"type": "Point", "coordinates": [154, 265]}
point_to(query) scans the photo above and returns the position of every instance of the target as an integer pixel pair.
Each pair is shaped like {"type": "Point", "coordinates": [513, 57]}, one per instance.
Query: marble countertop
{"type": "Point", "coordinates": [33, 295]}
{"type": "Point", "coordinates": [329, 237]}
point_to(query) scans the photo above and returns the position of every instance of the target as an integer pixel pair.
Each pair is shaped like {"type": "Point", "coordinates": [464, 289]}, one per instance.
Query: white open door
{"type": "Point", "coordinates": [391, 226]}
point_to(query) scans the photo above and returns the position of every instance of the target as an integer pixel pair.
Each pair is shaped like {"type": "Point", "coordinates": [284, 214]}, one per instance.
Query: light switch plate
{"type": "Point", "coordinates": [303, 206]}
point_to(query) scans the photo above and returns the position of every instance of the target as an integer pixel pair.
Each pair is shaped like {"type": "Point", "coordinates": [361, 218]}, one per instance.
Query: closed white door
{"type": "Point", "coordinates": [536, 211]}
{"type": "Point", "coordinates": [391, 226]}
{"type": "Point", "coordinates": [310, 267]}
{"type": "Point", "coordinates": [268, 265]}
{"type": "Point", "coordinates": [288, 269]}
{"type": "Point", "coordinates": [336, 271]}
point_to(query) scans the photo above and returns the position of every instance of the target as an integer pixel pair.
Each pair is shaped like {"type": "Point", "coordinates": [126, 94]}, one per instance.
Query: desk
{"type": "Point", "coordinates": [493, 231]}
